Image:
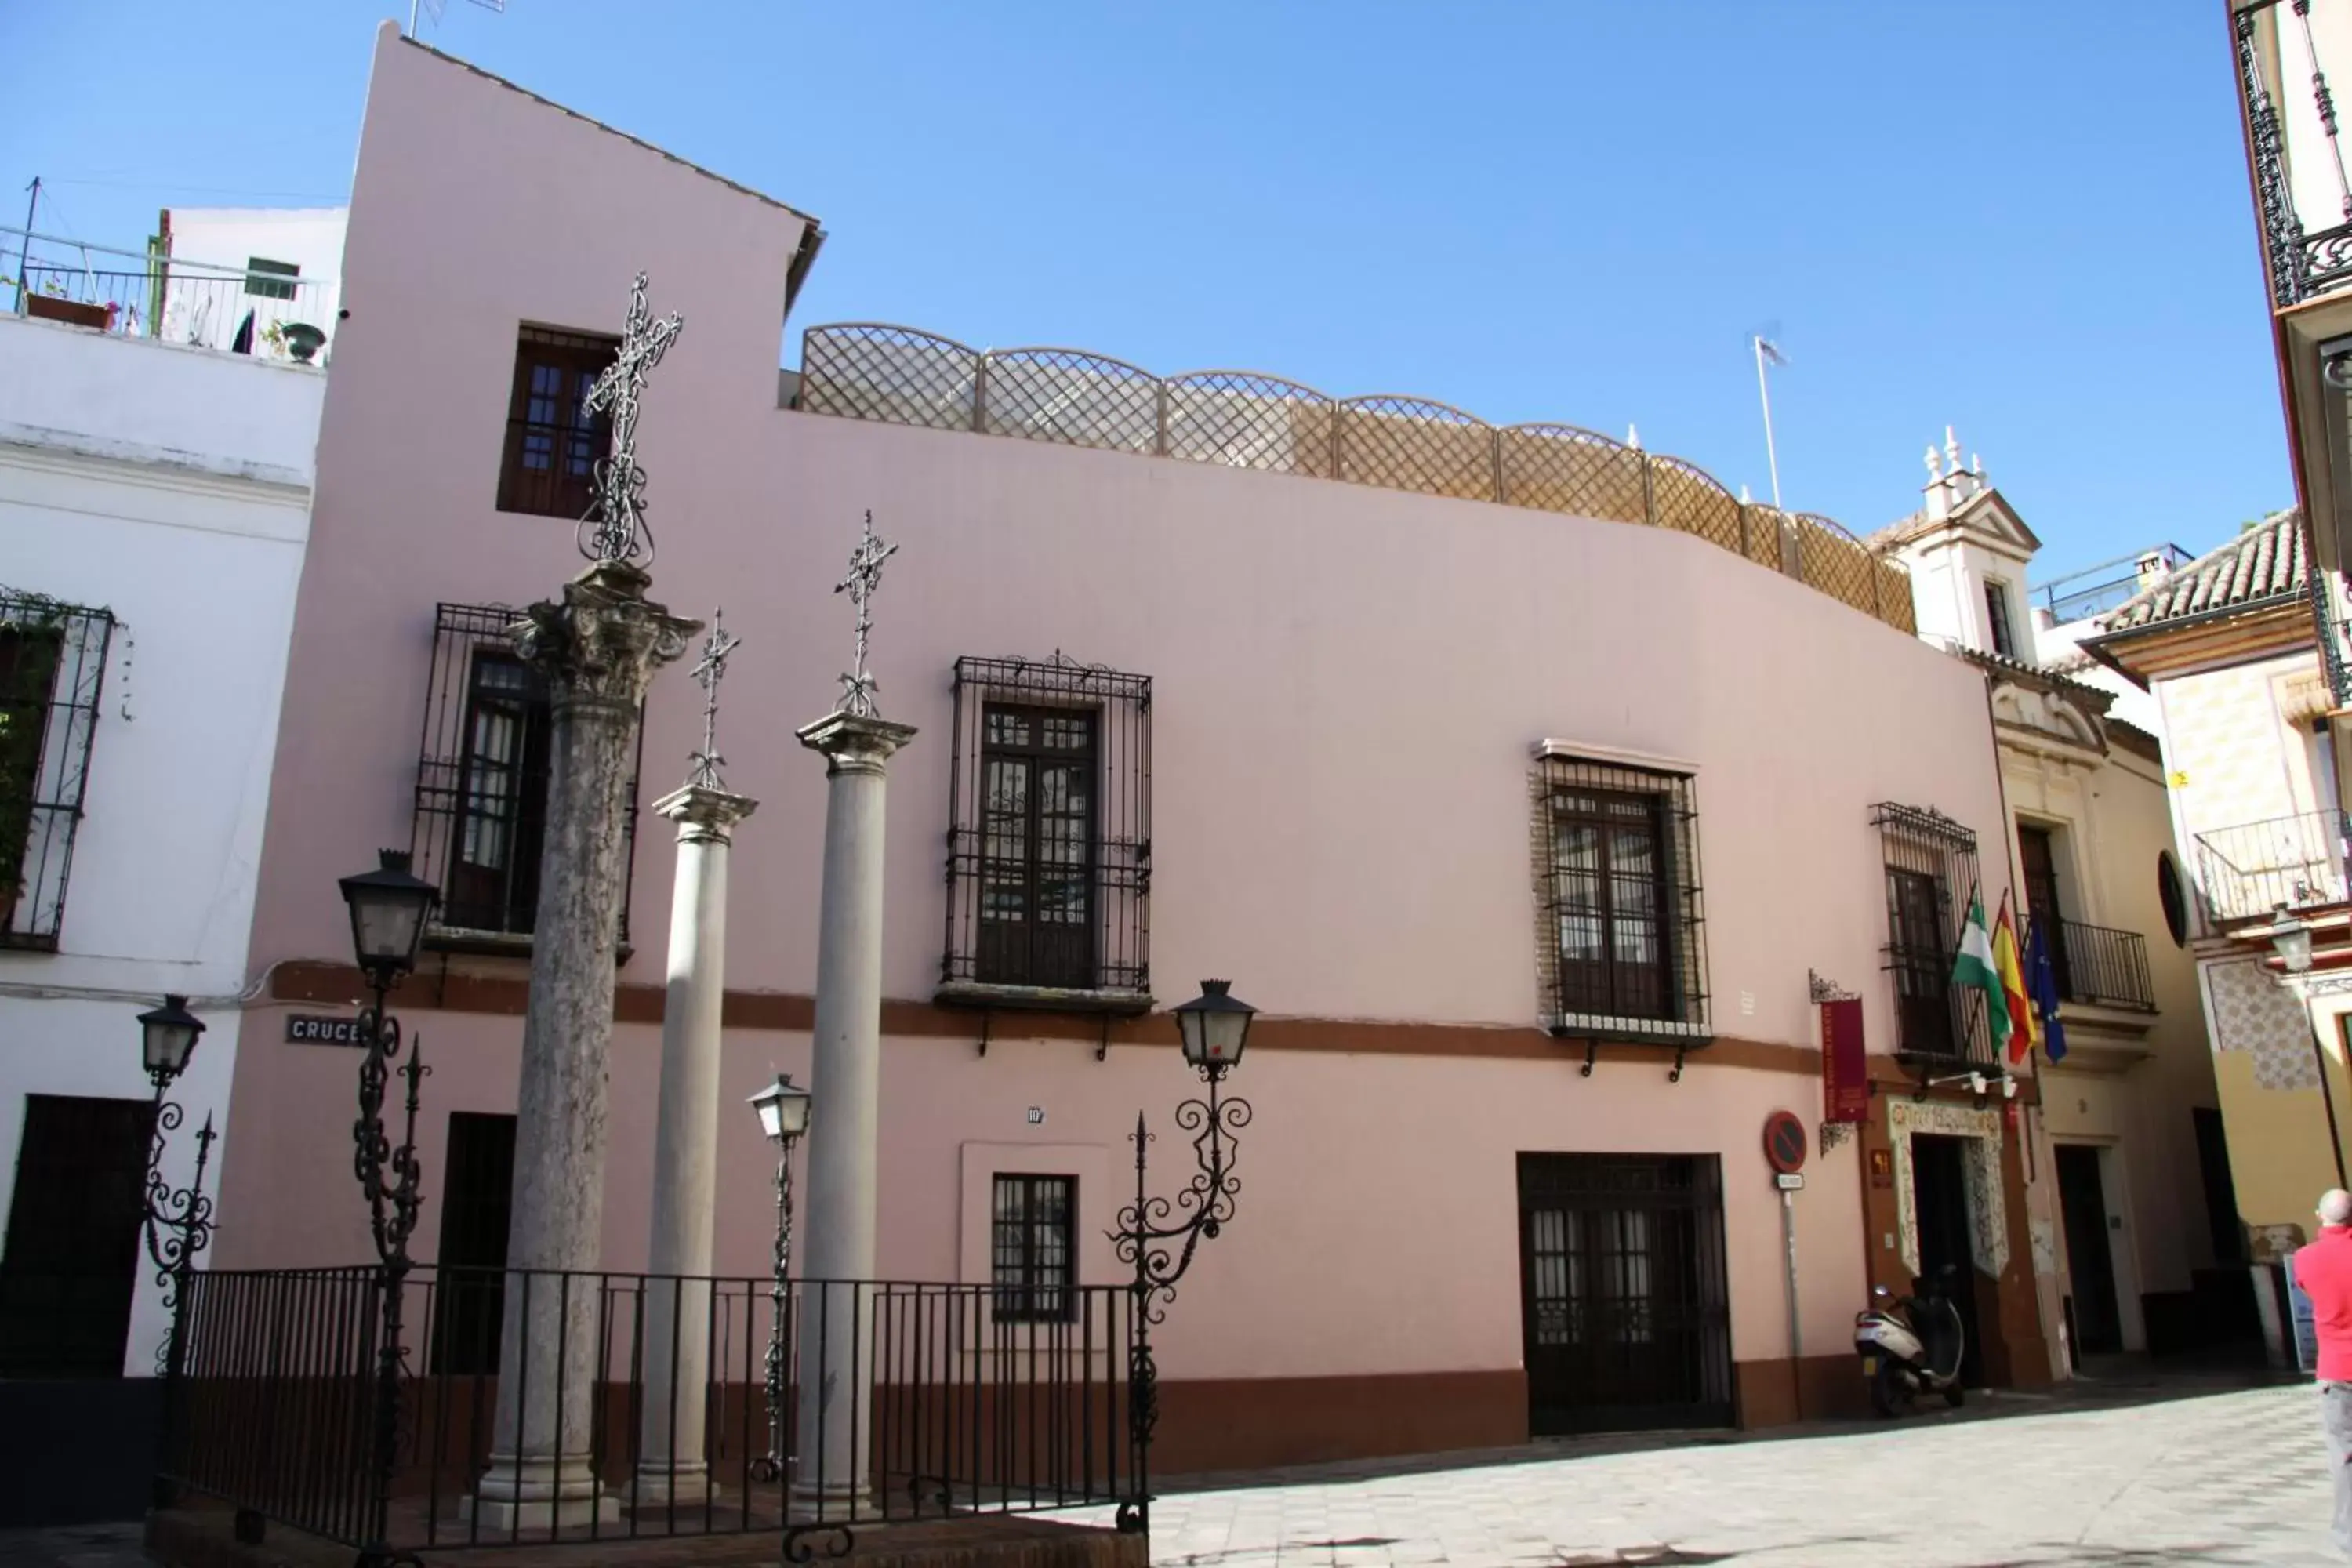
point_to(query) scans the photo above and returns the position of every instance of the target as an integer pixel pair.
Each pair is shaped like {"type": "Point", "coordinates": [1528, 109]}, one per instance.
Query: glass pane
{"type": "Point", "coordinates": [1007, 728]}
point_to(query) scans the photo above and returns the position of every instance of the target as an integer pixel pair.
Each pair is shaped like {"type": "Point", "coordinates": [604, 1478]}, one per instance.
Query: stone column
{"type": "Point", "coordinates": [671, 1465]}
{"type": "Point", "coordinates": [835, 1392]}
{"type": "Point", "coordinates": [597, 650]}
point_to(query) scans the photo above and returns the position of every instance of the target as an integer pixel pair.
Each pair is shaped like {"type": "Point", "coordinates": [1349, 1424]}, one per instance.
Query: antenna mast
{"type": "Point", "coordinates": [1767, 351]}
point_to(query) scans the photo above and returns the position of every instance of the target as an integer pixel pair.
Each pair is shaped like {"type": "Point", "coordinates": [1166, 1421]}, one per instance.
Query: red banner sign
{"type": "Point", "coordinates": [1845, 1066]}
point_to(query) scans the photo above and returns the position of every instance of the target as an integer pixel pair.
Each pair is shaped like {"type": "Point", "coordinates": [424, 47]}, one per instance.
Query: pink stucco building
{"type": "Point", "coordinates": [1451, 789]}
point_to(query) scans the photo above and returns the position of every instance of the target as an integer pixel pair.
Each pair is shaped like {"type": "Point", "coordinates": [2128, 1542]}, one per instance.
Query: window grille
{"type": "Point", "coordinates": [52, 668]}
{"type": "Point", "coordinates": [1049, 844]}
{"type": "Point", "coordinates": [1622, 949]}
{"type": "Point", "coordinates": [1032, 1260]}
{"type": "Point", "coordinates": [1931, 875]}
{"type": "Point", "coordinates": [481, 784]}
{"type": "Point", "coordinates": [553, 438]}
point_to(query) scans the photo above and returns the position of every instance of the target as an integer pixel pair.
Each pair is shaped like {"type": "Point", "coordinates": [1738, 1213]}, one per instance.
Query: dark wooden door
{"type": "Point", "coordinates": [1624, 1311]}
{"type": "Point", "coordinates": [1038, 772]}
{"type": "Point", "coordinates": [1939, 1196]}
{"type": "Point", "coordinates": [478, 1184]}
{"type": "Point", "coordinates": [2038, 858]}
{"type": "Point", "coordinates": [1922, 962]}
{"type": "Point", "coordinates": [73, 1248]}
{"type": "Point", "coordinates": [2083, 1201]}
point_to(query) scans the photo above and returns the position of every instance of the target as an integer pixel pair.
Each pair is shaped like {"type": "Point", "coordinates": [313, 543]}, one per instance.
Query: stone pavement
{"type": "Point", "coordinates": [2232, 1477]}
{"type": "Point", "coordinates": [2237, 1477]}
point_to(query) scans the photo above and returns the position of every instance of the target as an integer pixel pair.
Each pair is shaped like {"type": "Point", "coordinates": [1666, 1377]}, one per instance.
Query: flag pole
{"type": "Point", "coordinates": [1764, 391]}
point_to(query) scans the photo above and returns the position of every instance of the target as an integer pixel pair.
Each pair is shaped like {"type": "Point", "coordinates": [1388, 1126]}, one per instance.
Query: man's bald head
{"type": "Point", "coordinates": [2336, 1206]}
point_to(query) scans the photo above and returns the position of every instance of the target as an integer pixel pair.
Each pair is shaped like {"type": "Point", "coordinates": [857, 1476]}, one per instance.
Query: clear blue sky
{"type": "Point", "coordinates": [2027, 220]}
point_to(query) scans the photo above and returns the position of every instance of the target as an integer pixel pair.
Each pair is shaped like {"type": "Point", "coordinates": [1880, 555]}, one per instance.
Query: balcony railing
{"type": "Point", "coordinates": [2101, 966]}
{"type": "Point", "coordinates": [2285, 55]}
{"type": "Point", "coordinates": [2251, 869]}
{"type": "Point", "coordinates": [167, 299]}
{"type": "Point", "coordinates": [1241, 419]}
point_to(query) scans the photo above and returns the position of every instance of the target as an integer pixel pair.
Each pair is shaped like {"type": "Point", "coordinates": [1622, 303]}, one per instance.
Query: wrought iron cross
{"type": "Point", "coordinates": [614, 528]}
{"type": "Point", "coordinates": [857, 687]}
{"type": "Point", "coordinates": [708, 675]}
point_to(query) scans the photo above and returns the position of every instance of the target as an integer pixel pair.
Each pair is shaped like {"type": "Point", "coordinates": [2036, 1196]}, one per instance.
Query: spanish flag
{"type": "Point", "coordinates": [2013, 984]}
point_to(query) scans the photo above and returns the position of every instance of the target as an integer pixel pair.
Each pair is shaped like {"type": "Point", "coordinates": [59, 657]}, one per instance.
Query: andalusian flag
{"type": "Point", "coordinates": [2013, 985]}
{"type": "Point", "coordinates": [1974, 966]}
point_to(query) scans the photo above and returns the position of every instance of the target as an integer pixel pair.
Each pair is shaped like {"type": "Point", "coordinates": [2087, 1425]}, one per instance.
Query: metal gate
{"type": "Point", "coordinates": [1623, 1294]}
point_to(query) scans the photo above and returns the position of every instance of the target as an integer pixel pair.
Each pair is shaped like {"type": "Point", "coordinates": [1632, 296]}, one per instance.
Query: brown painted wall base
{"type": "Point", "coordinates": [1259, 1422]}
{"type": "Point", "coordinates": [1827, 1388]}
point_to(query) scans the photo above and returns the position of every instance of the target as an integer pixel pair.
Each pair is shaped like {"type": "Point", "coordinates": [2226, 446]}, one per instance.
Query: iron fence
{"type": "Point", "coordinates": [2249, 870]}
{"type": "Point", "coordinates": [900, 375]}
{"type": "Point", "coordinates": [650, 1408]}
{"type": "Point", "coordinates": [254, 309]}
{"type": "Point", "coordinates": [2103, 966]}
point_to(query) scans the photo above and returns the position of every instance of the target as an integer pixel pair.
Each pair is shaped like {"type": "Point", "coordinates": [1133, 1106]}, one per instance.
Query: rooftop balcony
{"type": "Point", "coordinates": [1243, 419]}
{"type": "Point", "coordinates": [167, 299]}
{"type": "Point", "coordinates": [2251, 869]}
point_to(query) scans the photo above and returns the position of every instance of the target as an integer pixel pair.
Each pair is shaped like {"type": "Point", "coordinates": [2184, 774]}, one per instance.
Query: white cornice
{"type": "Point", "coordinates": [137, 462]}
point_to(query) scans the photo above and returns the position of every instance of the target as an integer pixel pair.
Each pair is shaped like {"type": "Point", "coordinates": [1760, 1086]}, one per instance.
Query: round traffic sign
{"type": "Point", "coordinates": [1784, 1143]}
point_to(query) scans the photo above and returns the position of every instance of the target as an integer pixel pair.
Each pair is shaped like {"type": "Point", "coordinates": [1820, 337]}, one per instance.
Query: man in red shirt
{"type": "Point", "coordinates": [2323, 1270]}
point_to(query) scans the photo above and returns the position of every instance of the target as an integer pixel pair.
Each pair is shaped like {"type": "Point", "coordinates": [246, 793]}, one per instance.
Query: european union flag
{"type": "Point", "coordinates": [2041, 990]}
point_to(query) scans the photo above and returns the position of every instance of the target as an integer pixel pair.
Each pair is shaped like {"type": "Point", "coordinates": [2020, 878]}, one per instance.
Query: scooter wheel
{"type": "Point", "coordinates": [1890, 1393]}
{"type": "Point", "coordinates": [1955, 1397]}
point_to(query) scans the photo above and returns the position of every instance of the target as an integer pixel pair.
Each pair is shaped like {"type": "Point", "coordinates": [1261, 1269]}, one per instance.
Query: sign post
{"type": "Point", "coordinates": [1784, 1150]}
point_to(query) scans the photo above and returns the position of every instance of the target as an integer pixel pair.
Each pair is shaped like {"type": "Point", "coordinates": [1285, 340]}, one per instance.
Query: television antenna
{"type": "Point", "coordinates": [1768, 353]}
{"type": "Point", "coordinates": [434, 9]}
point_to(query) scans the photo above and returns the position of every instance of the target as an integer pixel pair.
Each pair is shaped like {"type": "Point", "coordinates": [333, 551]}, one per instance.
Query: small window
{"type": "Point", "coordinates": [1034, 1224]}
{"type": "Point", "coordinates": [482, 783]}
{"type": "Point", "coordinates": [2173, 895]}
{"type": "Point", "coordinates": [52, 667]}
{"type": "Point", "coordinates": [553, 437]}
{"type": "Point", "coordinates": [2005, 639]}
{"type": "Point", "coordinates": [268, 279]}
{"type": "Point", "coordinates": [1049, 861]}
{"type": "Point", "coordinates": [1618, 882]}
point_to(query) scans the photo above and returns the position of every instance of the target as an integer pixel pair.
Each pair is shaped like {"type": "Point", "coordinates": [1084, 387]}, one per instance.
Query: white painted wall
{"type": "Point", "coordinates": [171, 486]}
{"type": "Point", "coordinates": [199, 309]}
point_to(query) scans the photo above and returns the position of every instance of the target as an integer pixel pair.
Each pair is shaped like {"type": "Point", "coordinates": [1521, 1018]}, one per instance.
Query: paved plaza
{"type": "Point", "coordinates": [2229, 1478]}
{"type": "Point", "coordinates": [2233, 1477]}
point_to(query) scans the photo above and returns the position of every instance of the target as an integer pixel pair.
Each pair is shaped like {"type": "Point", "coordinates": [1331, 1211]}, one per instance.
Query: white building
{"type": "Point", "coordinates": [154, 505]}
{"type": "Point", "coordinates": [288, 265]}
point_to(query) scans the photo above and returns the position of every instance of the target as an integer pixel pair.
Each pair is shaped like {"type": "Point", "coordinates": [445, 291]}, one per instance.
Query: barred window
{"type": "Point", "coordinates": [553, 437]}
{"type": "Point", "coordinates": [268, 279]}
{"type": "Point", "coordinates": [1621, 949]}
{"type": "Point", "coordinates": [52, 668]}
{"type": "Point", "coordinates": [1050, 848]}
{"type": "Point", "coordinates": [482, 783]}
{"type": "Point", "coordinates": [1034, 1224]}
{"type": "Point", "coordinates": [1931, 875]}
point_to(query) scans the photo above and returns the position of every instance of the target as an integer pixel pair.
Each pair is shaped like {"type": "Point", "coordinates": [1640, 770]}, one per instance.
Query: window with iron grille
{"type": "Point", "coordinates": [481, 784]}
{"type": "Point", "coordinates": [553, 438]}
{"type": "Point", "coordinates": [1620, 949]}
{"type": "Point", "coordinates": [1049, 849]}
{"type": "Point", "coordinates": [1033, 1225]}
{"type": "Point", "coordinates": [1931, 875]}
{"type": "Point", "coordinates": [52, 667]}
{"type": "Point", "coordinates": [268, 279]}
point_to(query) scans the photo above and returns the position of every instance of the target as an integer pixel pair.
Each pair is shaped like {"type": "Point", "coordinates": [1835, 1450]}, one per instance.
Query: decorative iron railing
{"type": "Point", "coordinates": [2249, 870]}
{"type": "Point", "coordinates": [898, 375]}
{"type": "Point", "coordinates": [2101, 966]}
{"type": "Point", "coordinates": [2302, 186]}
{"type": "Point", "coordinates": [961, 1412]}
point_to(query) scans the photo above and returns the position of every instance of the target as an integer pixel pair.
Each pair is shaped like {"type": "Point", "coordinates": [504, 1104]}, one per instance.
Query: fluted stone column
{"type": "Point", "coordinates": [671, 1463]}
{"type": "Point", "coordinates": [835, 1356]}
{"type": "Point", "coordinates": [597, 649]}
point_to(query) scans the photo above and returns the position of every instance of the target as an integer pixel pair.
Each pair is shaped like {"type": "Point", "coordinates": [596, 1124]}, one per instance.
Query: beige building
{"type": "Point", "coordinates": [2227, 649]}
{"type": "Point", "coordinates": [2138, 1212]}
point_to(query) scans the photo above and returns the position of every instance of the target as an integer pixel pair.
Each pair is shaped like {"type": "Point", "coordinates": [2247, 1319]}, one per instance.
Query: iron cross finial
{"type": "Point", "coordinates": [857, 687]}
{"type": "Point", "coordinates": [708, 675]}
{"type": "Point", "coordinates": [614, 528]}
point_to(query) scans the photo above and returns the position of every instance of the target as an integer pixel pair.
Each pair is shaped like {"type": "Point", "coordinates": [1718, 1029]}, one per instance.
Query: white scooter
{"type": "Point", "coordinates": [1913, 1345]}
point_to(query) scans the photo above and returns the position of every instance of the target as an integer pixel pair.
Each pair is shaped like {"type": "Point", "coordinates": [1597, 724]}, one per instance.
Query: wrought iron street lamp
{"type": "Point", "coordinates": [1158, 1236]}
{"type": "Point", "coordinates": [388, 908]}
{"type": "Point", "coordinates": [178, 1220]}
{"type": "Point", "coordinates": [783, 1108]}
{"type": "Point", "coordinates": [2291, 940]}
